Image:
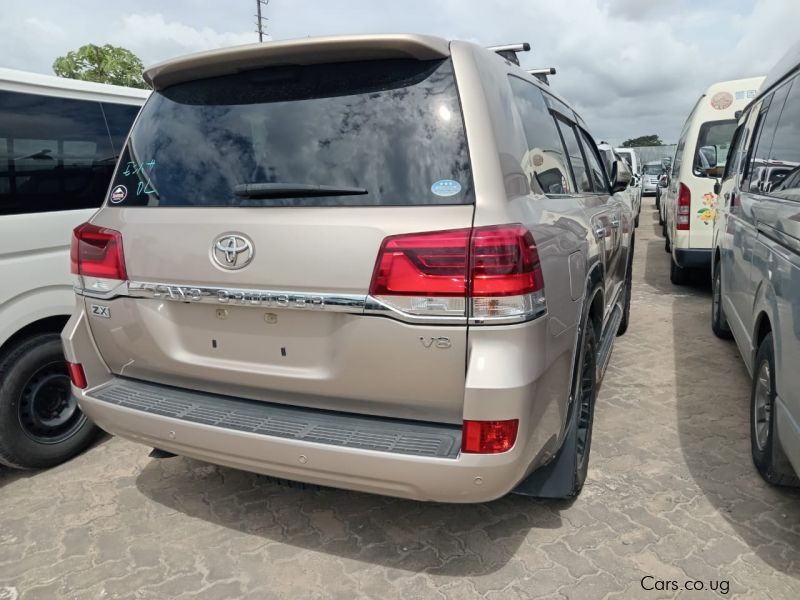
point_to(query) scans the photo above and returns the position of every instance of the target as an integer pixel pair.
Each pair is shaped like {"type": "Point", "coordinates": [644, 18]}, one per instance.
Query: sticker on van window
{"type": "Point", "coordinates": [118, 194]}
{"type": "Point", "coordinates": [721, 100]}
{"type": "Point", "coordinates": [446, 187]}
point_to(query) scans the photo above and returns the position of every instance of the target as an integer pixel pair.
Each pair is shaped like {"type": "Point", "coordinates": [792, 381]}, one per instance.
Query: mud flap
{"type": "Point", "coordinates": [557, 478]}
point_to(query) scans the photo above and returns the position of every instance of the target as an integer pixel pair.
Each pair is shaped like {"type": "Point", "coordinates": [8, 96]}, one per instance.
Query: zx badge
{"type": "Point", "coordinates": [100, 311]}
{"type": "Point", "coordinates": [442, 343]}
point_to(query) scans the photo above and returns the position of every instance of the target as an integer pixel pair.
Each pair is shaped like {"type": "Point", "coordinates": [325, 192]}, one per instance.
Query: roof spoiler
{"type": "Point", "coordinates": [541, 74]}
{"type": "Point", "coordinates": [509, 51]}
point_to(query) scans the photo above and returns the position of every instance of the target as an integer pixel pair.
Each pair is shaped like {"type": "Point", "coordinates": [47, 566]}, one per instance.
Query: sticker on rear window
{"type": "Point", "coordinates": [118, 194]}
{"type": "Point", "coordinates": [446, 187]}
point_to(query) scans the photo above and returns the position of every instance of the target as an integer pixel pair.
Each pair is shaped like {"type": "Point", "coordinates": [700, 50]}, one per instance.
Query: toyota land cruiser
{"type": "Point", "coordinates": [387, 263]}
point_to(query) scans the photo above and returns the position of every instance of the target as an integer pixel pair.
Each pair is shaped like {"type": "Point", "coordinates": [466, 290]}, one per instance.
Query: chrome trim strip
{"type": "Point", "coordinates": [287, 300]}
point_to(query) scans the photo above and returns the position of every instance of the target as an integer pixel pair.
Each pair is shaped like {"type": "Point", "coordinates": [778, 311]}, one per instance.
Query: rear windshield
{"type": "Point", "coordinates": [713, 144]}
{"type": "Point", "coordinates": [653, 169]}
{"type": "Point", "coordinates": [373, 133]}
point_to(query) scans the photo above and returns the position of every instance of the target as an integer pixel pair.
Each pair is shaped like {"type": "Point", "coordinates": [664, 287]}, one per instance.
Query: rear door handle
{"type": "Point", "coordinates": [615, 223]}
{"type": "Point", "coordinates": [600, 233]}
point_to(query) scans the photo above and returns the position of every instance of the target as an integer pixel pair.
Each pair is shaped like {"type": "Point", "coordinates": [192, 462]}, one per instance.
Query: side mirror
{"type": "Point", "coordinates": [663, 181]}
{"type": "Point", "coordinates": [620, 176]}
{"type": "Point", "coordinates": [717, 187]}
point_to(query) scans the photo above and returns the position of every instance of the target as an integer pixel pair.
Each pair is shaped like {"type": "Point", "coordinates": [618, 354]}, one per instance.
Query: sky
{"type": "Point", "coordinates": [630, 67]}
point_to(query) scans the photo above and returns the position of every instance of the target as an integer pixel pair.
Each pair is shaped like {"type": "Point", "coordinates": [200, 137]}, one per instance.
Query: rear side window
{"type": "Point", "coordinates": [761, 175]}
{"type": "Point", "coordinates": [545, 163]}
{"type": "Point", "coordinates": [55, 154]}
{"type": "Point", "coordinates": [713, 144]}
{"type": "Point", "coordinates": [595, 167]}
{"type": "Point", "coordinates": [582, 178]}
{"type": "Point", "coordinates": [784, 157]}
{"type": "Point", "coordinates": [372, 133]}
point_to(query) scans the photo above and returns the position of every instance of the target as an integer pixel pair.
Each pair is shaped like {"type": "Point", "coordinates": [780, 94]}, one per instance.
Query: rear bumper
{"type": "Point", "coordinates": [462, 478]}
{"type": "Point", "coordinates": [692, 258]}
{"type": "Point", "coordinates": [531, 390]}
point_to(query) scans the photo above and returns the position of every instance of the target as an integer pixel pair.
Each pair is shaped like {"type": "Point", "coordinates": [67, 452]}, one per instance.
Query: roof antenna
{"type": "Point", "coordinates": [260, 20]}
{"type": "Point", "coordinates": [509, 51]}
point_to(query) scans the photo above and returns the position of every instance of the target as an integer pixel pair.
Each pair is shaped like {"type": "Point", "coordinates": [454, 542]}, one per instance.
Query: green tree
{"type": "Point", "coordinates": [643, 140]}
{"type": "Point", "coordinates": [104, 64]}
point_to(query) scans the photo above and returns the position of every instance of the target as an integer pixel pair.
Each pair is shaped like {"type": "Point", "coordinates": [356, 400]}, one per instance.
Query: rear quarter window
{"type": "Point", "coordinates": [391, 128]}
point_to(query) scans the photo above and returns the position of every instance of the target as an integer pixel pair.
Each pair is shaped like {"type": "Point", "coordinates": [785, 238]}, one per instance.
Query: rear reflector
{"type": "Point", "coordinates": [495, 268]}
{"type": "Point", "coordinates": [76, 375]}
{"type": "Point", "coordinates": [97, 252]}
{"type": "Point", "coordinates": [488, 437]}
{"type": "Point", "coordinates": [684, 206]}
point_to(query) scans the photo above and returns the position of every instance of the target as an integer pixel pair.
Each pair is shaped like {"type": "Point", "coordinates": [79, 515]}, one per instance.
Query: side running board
{"type": "Point", "coordinates": [607, 341]}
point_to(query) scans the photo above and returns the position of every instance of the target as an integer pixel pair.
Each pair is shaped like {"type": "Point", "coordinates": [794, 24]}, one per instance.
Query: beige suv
{"type": "Point", "coordinates": [390, 263]}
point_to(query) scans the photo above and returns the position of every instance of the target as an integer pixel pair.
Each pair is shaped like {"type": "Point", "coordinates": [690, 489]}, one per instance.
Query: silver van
{"type": "Point", "coordinates": [756, 265]}
{"type": "Point", "coordinates": [387, 263]}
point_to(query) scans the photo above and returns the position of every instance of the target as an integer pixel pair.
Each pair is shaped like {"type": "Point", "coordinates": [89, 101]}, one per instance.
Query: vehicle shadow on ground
{"type": "Point", "coordinates": [441, 539]}
{"type": "Point", "coordinates": [714, 427]}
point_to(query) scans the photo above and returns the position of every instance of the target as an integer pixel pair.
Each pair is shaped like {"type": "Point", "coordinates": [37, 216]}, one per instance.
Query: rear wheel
{"type": "Point", "coordinates": [719, 324]}
{"type": "Point", "coordinates": [677, 274]}
{"type": "Point", "coordinates": [768, 456]}
{"type": "Point", "coordinates": [40, 422]}
{"type": "Point", "coordinates": [584, 407]}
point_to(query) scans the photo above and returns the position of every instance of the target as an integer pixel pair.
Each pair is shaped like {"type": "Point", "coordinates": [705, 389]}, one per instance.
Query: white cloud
{"type": "Point", "coordinates": [153, 38]}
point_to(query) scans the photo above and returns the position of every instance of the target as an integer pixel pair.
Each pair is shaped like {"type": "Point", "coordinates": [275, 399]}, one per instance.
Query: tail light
{"type": "Point", "coordinates": [76, 375]}
{"type": "Point", "coordinates": [684, 206]}
{"type": "Point", "coordinates": [488, 437]}
{"type": "Point", "coordinates": [97, 252]}
{"type": "Point", "coordinates": [491, 272]}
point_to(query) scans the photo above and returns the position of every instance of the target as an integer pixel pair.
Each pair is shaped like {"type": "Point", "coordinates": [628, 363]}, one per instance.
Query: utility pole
{"type": "Point", "coordinates": [260, 20]}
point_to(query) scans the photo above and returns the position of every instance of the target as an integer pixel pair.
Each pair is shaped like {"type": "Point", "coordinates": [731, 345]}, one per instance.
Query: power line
{"type": "Point", "coordinates": [260, 20]}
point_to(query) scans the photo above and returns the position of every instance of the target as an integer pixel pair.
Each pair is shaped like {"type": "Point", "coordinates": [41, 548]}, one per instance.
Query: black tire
{"type": "Point", "coordinates": [40, 423]}
{"type": "Point", "coordinates": [677, 275]}
{"type": "Point", "coordinates": [667, 246]}
{"type": "Point", "coordinates": [661, 222]}
{"type": "Point", "coordinates": [626, 307]}
{"type": "Point", "coordinates": [583, 410]}
{"type": "Point", "coordinates": [719, 323]}
{"type": "Point", "coordinates": [768, 456]}
{"type": "Point", "coordinates": [658, 203]}
{"type": "Point", "coordinates": [636, 221]}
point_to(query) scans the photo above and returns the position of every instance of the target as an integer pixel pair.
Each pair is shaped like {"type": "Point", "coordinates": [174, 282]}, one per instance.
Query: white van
{"type": "Point", "coordinates": [689, 199]}
{"type": "Point", "coordinates": [59, 142]}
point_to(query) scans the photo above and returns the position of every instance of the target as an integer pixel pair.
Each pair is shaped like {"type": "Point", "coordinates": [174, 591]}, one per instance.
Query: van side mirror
{"type": "Point", "coordinates": [663, 181]}
{"type": "Point", "coordinates": [620, 176]}
{"type": "Point", "coordinates": [717, 187]}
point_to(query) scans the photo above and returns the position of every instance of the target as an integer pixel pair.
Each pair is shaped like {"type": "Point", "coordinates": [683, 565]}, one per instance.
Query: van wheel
{"type": "Point", "coordinates": [626, 307]}
{"type": "Point", "coordinates": [719, 324]}
{"type": "Point", "coordinates": [40, 422]}
{"type": "Point", "coordinates": [661, 222]}
{"type": "Point", "coordinates": [677, 275]}
{"type": "Point", "coordinates": [667, 245]}
{"type": "Point", "coordinates": [636, 221]}
{"type": "Point", "coordinates": [768, 456]}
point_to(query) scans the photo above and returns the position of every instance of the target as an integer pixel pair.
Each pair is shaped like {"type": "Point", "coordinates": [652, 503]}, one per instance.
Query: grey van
{"type": "Point", "coordinates": [386, 263]}
{"type": "Point", "coordinates": [756, 266]}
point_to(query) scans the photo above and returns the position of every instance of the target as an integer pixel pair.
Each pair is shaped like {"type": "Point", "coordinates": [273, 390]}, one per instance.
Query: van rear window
{"type": "Point", "coordinates": [371, 133]}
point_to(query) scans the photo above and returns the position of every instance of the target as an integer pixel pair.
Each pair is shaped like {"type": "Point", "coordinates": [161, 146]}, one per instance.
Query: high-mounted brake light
{"type": "Point", "coordinates": [97, 252]}
{"type": "Point", "coordinates": [486, 273]}
{"type": "Point", "coordinates": [488, 437]}
{"type": "Point", "coordinates": [684, 207]}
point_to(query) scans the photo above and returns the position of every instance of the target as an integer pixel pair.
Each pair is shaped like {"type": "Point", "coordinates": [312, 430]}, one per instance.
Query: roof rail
{"type": "Point", "coordinates": [509, 51]}
{"type": "Point", "coordinates": [541, 74]}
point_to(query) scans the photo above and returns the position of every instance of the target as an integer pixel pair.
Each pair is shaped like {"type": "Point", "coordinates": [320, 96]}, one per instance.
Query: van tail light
{"type": "Point", "coordinates": [684, 206]}
{"type": "Point", "coordinates": [97, 252]}
{"type": "Point", "coordinates": [77, 375]}
{"type": "Point", "coordinates": [488, 437]}
{"type": "Point", "coordinates": [486, 273]}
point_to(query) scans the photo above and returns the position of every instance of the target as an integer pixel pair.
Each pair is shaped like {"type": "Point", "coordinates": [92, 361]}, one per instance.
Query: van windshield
{"type": "Point", "coordinates": [369, 133]}
{"type": "Point", "coordinates": [713, 144]}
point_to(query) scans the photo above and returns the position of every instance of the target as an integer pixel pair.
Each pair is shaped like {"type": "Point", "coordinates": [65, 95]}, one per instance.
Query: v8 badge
{"type": "Point", "coordinates": [99, 310]}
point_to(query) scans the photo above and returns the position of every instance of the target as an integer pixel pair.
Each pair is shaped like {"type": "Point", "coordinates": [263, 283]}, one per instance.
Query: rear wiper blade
{"type": "Point", "coordinates": [293, 190]}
